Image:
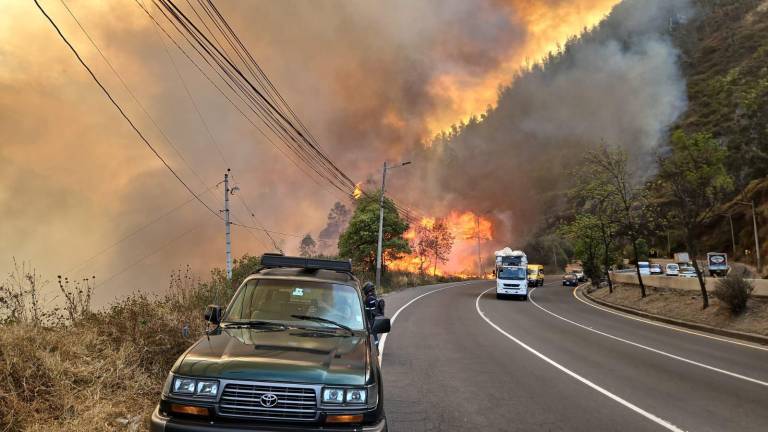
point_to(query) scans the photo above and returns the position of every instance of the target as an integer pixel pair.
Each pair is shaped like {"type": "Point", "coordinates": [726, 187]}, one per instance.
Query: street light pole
{"type": "Point", "coordinates": [733, 237]}
{"type": "Point", "coordinates": [381, 218]}
{"type": "Point", "coordinates": [754, 227]}
{"type": "Point", "coordinates": [381, 225]}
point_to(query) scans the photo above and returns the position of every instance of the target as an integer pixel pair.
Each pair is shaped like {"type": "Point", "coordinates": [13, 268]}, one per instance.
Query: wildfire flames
{"type": "Point", "coordinates": [468, 229]}
{"type": "Point", "coordinates": [358, 192]}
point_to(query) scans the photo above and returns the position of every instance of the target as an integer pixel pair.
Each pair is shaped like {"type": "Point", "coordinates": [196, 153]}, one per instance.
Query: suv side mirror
{"type": "Point", "coordinates": [213, 314]}
{"type": "Point", "coordinates": [381, 325]}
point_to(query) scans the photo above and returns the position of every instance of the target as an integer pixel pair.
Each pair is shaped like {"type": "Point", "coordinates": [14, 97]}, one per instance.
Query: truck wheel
{"type": "Point", "coordinates": [499, 296]}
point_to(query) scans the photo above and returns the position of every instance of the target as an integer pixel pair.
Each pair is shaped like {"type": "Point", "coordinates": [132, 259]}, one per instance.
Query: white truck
{"type": "Point", "coordinates": [511, 273]}
{"type": "Point", "coordinates": [717, 263]}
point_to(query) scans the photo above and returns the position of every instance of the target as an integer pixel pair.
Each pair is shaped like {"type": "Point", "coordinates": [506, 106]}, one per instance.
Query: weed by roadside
{"type": "Point", "coordinates": [733, 292]}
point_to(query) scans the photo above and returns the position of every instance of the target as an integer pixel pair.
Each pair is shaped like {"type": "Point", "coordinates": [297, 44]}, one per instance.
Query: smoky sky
{"type": "Point", "coordinates": [372, 80]}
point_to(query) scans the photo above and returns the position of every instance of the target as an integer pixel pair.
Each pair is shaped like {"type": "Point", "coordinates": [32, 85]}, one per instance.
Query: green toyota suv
{"type": "Point", "coordinates": [293, 351]}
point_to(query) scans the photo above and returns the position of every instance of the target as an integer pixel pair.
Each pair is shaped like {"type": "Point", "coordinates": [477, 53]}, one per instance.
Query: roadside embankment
{"type": "Point", "coordinates": [683, 307]}
{"type": "Point", "coordinates": [685, 284]}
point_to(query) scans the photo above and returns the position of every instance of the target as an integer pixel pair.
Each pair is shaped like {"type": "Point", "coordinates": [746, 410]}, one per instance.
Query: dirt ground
{"type": "Point", "coordinates": [686, 305]}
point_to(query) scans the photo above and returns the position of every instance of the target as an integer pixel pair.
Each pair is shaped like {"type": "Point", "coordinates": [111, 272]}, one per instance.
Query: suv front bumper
{"type": "Point", "coordinates": [162, 423]}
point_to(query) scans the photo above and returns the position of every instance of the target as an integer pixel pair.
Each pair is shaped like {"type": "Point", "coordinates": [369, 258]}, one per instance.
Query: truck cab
{"type": "Point", "coordinates": [511, 274]}
{"type": "Point", "coordinates": [293, 351]}
{"type": "Point", "coordinates": [535, 275]}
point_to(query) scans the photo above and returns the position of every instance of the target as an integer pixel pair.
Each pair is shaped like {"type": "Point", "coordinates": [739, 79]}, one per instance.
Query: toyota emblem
{"type": "Point", "coordinates": [268, 400]}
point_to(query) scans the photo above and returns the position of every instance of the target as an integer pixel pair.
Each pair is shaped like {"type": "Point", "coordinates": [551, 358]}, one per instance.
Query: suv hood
{"type": "Point", "coordinates": [291, 355]}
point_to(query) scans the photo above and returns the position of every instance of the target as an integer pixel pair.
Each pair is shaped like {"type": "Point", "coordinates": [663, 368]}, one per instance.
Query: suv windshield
{"type": "Point", "coordinates": [508, 273]}
{"type": "Point", "coordinates": [283, 301]}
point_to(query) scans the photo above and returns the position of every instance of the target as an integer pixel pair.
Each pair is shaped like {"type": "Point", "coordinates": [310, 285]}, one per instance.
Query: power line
{"type": "Point", "coordinates": [151, 253]}
{"type": "Point", "coordinates": [122, 112]}
{"type": "Point", "coordinates": [131, 93]}
{"type": "Point", "coordinates": [275, 118]}
{"type": "Point", "coordinates": [262, 103]}
{"type": "Point", "coordinates": [130, 235]}
{"type": "Point", "coordinates": [216, 86]}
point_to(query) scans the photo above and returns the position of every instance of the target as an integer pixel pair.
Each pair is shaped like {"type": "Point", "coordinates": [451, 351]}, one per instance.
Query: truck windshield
{"type": "Point", "coordinates": [278, 300]}
{"type": "Point", "coordinates": [511, 273]}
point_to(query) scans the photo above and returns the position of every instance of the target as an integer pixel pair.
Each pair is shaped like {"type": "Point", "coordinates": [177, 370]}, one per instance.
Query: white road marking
{"type": "Point", "coordinates": [671, 327]}
{"type": "Point", "coordinates": [383, 339]}
{"type": "Point", "coordinates": [633, 407]}
{"type": "Point", "coordinates": [664, 353]}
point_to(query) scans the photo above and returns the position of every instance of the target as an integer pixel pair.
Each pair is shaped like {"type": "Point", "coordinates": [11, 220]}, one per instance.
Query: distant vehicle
{"type": "Point", "coordinates": [682, 258]}
{"type": "Point", "coordinates": [673, 270]}
{"type": "Point", "coordinates": [294, 347]}
{"type": "Point", "coordinates": [687, 272]}
{"type": "Point", "coordinates": [645, 267]}
{"type": "Point", "coordinates": [580, 275]}
{"type": "Point", "coordinates": [535, 275]}
{"type": "Point", "coordinates": [511, 274]}
{"type": "Point", "coordinates": [656, 269]}
{"type": "Point", "coordinates": [570, 279]}
{"type": "Point", "coordinates": [717, 263]}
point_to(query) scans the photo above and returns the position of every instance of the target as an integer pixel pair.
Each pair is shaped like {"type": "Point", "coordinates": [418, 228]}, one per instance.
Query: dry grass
{"type": "Point", "coordinates": [104, 372]}
{"type": "Point", "coordinates": [101, 371]}
{"type": "Point", "coordinates": [686, 305]}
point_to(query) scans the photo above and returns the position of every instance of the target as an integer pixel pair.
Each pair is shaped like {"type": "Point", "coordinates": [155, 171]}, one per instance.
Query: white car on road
{"type": "Point", "coordinates": [687, 272]}
{"type": "Point", "coordinates": [672, 270]}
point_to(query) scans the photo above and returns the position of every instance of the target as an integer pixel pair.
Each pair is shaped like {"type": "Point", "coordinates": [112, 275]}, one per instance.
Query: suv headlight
{"type": "Point", "coordinates": [333, 395]}
{"type": "Point", "coordinates": [356, 396]}
{"type": "Point", "coordinates": [337, 395]}
{"type": "Point", "coordinates": [194, 387]}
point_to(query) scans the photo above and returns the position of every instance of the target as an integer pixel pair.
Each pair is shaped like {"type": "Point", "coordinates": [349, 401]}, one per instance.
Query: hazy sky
{"type": "Point", "coordinates": [371, 79]}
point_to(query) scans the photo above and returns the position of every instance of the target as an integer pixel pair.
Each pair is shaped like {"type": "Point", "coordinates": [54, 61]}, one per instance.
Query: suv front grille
{"type": "Point", "coordinates": [245, 400]}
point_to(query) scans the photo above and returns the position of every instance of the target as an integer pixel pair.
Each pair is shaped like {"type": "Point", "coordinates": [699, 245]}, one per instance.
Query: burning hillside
{"type": "Point", "coordinates": [454, 244]}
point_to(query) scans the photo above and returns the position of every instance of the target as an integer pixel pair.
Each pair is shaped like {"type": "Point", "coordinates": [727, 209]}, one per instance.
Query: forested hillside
{"type": "Point", "coordinates": [699, 66]}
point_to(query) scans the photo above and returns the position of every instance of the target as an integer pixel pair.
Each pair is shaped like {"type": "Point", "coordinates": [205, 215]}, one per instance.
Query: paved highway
{"type": "Point", "coordinates": [458, 359]}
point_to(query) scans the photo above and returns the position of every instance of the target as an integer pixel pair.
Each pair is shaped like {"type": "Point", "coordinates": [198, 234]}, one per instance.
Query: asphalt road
{"type": "Point", "coordinates": [458, 359]}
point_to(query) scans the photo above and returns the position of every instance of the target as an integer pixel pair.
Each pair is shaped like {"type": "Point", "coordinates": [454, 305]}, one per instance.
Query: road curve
{"type": "Point", "coordinates": [459, 359]}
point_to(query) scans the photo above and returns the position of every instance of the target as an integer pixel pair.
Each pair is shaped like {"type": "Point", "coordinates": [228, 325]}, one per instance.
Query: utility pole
{"type": "Point", "coordinates": [227, 223]}
{"type": "Point", "coordinates": [381, 225]}
{"type": "Point", "coordinates": [381, 218]}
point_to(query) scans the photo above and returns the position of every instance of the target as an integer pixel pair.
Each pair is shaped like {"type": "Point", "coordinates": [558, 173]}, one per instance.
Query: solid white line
{"type": "Point", "coordinates": [664, 353]}
{"type": "Point", "coordinates": [671, 327]}
{"type": "Point", "coordinates": [383, 340]}
{"type": "Point", "coordinates": [578, 377]}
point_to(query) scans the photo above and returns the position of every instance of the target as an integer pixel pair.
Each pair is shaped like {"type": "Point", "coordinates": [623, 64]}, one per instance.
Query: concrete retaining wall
{"type": "Point", "coordinates": [690, 284]}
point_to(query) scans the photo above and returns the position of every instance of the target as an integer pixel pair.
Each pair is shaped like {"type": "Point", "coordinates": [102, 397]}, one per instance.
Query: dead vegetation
{"type": "Point", "coordinates": [72, 369]}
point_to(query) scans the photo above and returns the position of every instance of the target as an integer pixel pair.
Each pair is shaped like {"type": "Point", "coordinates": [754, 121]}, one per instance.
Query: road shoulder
{"type": "Point", "coordinates": [582, 295]}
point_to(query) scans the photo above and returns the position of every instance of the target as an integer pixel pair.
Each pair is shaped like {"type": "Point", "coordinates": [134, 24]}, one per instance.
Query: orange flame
{"type": "Point", "coordinates": [468, 230]}
{"type": "Point", "coordinates": [358, 192]}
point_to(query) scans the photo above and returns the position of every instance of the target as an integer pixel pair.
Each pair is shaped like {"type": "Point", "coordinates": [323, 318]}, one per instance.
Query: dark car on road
{"type": "Point", "coordinates": [570, 279]}
{"type": "Point", "coordinates": [293, 351]}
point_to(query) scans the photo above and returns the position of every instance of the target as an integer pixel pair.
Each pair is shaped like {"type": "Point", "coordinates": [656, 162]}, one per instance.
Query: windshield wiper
{"type": "Point", "coordinates": [324, 320]}
{"type": "Point", "coordinates": [253, 323]}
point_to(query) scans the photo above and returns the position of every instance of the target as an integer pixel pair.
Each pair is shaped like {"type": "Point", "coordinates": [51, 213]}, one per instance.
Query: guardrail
{"type": "Point", "coordinates": [681, 283]}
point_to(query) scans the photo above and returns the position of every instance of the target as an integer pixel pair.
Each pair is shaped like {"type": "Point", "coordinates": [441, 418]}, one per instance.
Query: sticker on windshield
{"type": "Point", "coordinates": [298, 292]}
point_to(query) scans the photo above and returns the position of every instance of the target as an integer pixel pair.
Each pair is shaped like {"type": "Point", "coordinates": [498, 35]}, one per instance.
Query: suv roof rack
{"type": "Point", "coordinates": [275, 260]}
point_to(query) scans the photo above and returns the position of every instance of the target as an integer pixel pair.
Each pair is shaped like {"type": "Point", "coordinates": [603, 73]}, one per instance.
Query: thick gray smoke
{"type": "Point", "coordinates": [620, 84]}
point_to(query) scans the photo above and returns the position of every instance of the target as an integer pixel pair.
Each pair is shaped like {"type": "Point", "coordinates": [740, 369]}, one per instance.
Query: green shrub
{"type": "Point", "coordinates": [733, 292]}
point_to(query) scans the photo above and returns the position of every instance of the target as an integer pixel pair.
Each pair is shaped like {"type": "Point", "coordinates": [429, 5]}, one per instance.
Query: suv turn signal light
{"type": "Point", "coordinates": [189, 410]}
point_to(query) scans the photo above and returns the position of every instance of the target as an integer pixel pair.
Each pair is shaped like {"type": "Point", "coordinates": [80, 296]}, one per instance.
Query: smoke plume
{"type": "Point", "coordinates": [619, 84]}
